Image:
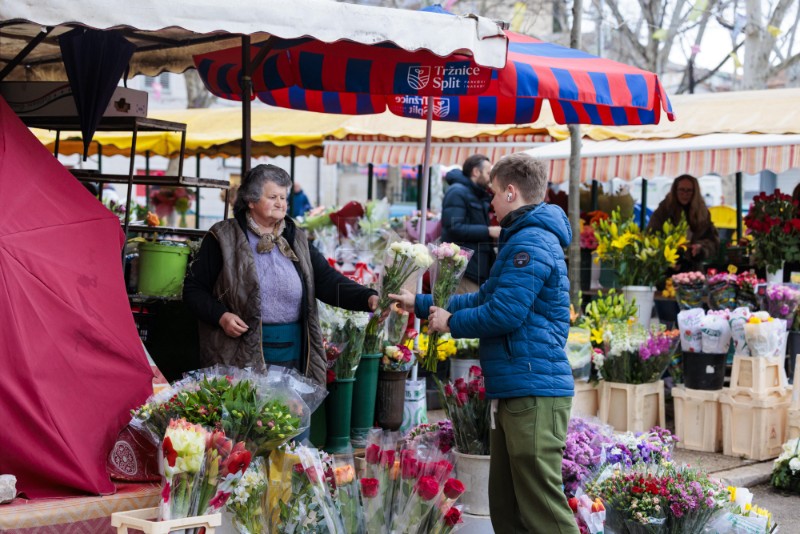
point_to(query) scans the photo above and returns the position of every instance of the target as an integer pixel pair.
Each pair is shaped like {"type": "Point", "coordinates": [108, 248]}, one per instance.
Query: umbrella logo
{"type": "Point", "coordinates": [418, 77]}
{"type": "Point", "coordinates": [441, 107]}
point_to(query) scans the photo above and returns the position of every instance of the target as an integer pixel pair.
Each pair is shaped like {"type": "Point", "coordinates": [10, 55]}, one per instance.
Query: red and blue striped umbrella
{"type": "Point", "coordinates": [581, 88]}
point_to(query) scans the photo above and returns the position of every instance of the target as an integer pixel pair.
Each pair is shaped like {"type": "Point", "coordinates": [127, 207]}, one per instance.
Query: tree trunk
{"type": "Point", "coordinates": [574, 209]}
{"type": "Point", "coordinates": [197, 95]}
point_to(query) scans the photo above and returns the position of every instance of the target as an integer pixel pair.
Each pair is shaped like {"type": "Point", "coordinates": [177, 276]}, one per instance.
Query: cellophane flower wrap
{"type": "Point", "coordinates": [786, 468]}
{"type": "Point", "coordinates": [396, 324]}
{"type": "Point", "coordinates": [746, 283]}
{"type": "Point", "coordinates": [722, 289]}
{"type": "Point", "coordinates": [247, 504]}
{"type": "Point", "coordinates": [428, 483]}
{"type": "Point", "coordinates": [348, 499]}
{"type": "Point", "coordinates": [466, 405]}
{"type": "Point", "coordinates": [404, 263]}
{"type": "Point", "coordinates": [781, 302]}
{"type": "Point", "coordinates": [183, 450]}
{"type": "Point", "coordinates": [449, 263]}
{"type": "Point", "coordinates": [690, 289]}
{"type": "Point", "coordinates": [225, 465]}
{"type": "Point", "coordinates": [635, 356]}
{"type": "Point", "coordinates": [742, 516]}
{"type": "Point", "coordinates": [344, 330]}
{"type": "Point", "coordinates": [397, 358]}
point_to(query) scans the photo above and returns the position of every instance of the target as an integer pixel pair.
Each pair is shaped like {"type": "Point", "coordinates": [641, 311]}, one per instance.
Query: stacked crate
{"type": "Point", "coordinates": [755, 408]}
{"type": "Point", "coordinates": [793, 430]}
{"type": "Point", "coordinates": [698, 421]}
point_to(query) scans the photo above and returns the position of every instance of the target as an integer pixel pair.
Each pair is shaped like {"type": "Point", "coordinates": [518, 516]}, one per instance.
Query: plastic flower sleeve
{"type": "Point", "coordinates": [246, 505]}
{"type": "Point", "coordinates": [321, 509]}
{"type": "Point", "coordinates": [347, 492]}
{"type": "Point", "coordinates": [183, 451]}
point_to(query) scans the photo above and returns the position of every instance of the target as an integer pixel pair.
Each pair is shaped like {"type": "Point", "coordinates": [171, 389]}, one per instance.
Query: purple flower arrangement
{"type": "Point", "coordinates": [781, 302]}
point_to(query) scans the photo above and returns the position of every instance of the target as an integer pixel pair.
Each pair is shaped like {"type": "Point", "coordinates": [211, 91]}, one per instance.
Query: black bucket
{"type": "Point", "coordinates": [704, 371]}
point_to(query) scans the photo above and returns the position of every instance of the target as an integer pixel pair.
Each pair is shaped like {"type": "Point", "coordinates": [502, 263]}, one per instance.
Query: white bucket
{"type": "Point", "coordinates": [459, 367]}
{"type": "Point", "coordinates": [644, 296]}
{"type": "Point", "coordinates": [473, 471]}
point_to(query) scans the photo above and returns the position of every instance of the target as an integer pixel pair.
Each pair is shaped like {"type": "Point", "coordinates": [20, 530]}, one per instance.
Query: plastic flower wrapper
{"type": "Point", "coordinates": [579, 353]}
{"type": "Point", "coordinates": [738, 318]}
{"type": "Point", "coordinates": [781, 302]}
{"type": "Point", "coordinates": [432, 475]}
{"type": "Point", "coordinates": [418, 459]}
{"type": "Point", "coordinates": [183, 452]}
{"type": "Point", "coordinates": [347, 492]}
{"type": "Point", "coordinates": [449, 263]}
{"type": "Point", "coordinates": [403, 264]}
{"type": "Point", "coordinates": [326, 240]}
{"type": "Point", "coordinates": [589, 514]}
{"type": "Point", "coordinates": [742, 516]}
{"type": "Point", "coordinates": [786, 468]}
{"type": "Point", "coordinates": [583, 452]}
{"type": "Point", "coordinates": [652, 448]}
{"type": "Point", "coordinates": [246, 505]}
{"type": "Point", "coordinates": [690, 288]}
{"type": "Point", "coordinates": [344, 329]}
{"type": "Point", "coordinates": [452, 489]}
{"type": "Point", "coordinates": [437, 435]}
{"type": "Point", "coordinates": [449, 522]}
{"type": "Point", "coordinates": [396, 324]}
{"type": "Point", "coordinates": [764, 334]}
{"type": "Point", "coordinates": [225, 465]}
{"type": "Point", "coordinates": [722, 290]}
{"type": "Point", "coordinates": [383, 466]}
{"type": "Point", "coordinates": [374, 517]}
{"type": "Point", "coordinates": [397, 358]}
{"type": "Point", "coordinates": [466, 405]}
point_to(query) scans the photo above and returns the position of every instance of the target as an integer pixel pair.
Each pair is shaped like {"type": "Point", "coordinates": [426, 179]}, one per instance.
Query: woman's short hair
{"type": "Point", "coordinates": [525, 172]}
{"type": "Point", "coordinates": [253, 184]}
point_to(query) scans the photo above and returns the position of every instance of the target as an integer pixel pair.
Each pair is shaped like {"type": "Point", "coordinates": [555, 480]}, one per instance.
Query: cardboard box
{"type": "Point", "coordinates": [54, 99]}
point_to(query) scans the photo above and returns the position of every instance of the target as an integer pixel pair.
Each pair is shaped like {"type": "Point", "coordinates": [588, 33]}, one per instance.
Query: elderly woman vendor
{"type": "Point", "coordinates": [255, 283]}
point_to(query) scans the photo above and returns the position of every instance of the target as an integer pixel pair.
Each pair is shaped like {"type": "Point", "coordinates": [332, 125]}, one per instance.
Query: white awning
{"type": "Point", "coordinates": [714, 153]}
{"type": "Point", "coordinates": [169, 33]}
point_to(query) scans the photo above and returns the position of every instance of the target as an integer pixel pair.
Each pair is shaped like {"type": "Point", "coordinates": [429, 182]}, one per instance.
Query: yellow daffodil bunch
{"type": "Point", "coordinates": [640, 257]}
{"type": "Point", "coordinates": [605, 310]}
{"type": "Point", "coordinates": [446, 345]}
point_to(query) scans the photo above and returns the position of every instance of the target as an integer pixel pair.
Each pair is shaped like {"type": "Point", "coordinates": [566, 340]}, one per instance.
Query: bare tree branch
{"type": "Point", "coordinates": [631, 38]}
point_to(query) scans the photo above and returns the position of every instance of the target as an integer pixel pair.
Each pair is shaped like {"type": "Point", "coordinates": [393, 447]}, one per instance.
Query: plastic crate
{"type": "Point", "coordinates": [586, 401]}
{"type": "Point", "coordinates": [698, 421]}
{"type": "Point", "coordinates": [144, 520]}
{"type": "Point", "coordinates": [758, 377]}
{"type": "Point", "coordinates": [144, 316]}
{"type": "Point", "coordinates": [632, 407]}
{"type": "Point", "coordinates": [753, 428]}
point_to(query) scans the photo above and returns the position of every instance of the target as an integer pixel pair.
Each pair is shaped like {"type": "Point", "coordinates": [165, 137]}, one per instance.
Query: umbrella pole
{"type": "Point", "coordinates": [739, 208]}
{"type": "Point", "coordinates": [426, 168]}
{"type": "Point", "coordinates": [247, 85]}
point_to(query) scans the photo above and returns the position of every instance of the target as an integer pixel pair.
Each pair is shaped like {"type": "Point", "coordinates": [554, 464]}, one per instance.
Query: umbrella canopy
{"type": "Point", "coordinates": [73, 364]}
{"type": "Point", "coordinates": [95, 61]}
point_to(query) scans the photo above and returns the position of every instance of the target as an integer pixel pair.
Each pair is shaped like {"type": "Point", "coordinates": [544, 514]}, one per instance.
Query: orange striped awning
{"type": "Point", "coordinates": [721, 154]}
{"type": "Point", "coordinates": [363, 149]}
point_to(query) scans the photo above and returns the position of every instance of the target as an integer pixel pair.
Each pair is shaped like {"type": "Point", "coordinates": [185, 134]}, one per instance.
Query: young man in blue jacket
{"type": "Point", "coordinates": [521, 315]}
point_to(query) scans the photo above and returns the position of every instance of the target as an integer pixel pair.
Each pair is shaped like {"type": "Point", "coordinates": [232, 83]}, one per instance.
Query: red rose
{"type": "Point", "coordinates": [427, 488]}
{"type": "Point", "coordinates": [409, 468]}
{"type": "Point", "coordinates": [573, 504]}
{"type": "Point", "coordinates": [443, 468]}
{"type": "Point", "coordinates": [462, 398]}
{"type": "Point", "coordinates": [237, 461]}
{"type": "Point", "coordinates": [369, 487]}
{"type": "Point", "coordinates": [482, 393]}
{"type": "Point", "coordinates": [298, 469]}
{"type": "Point", "coordinates": [448, 390]}
{"type": "Point", "coordinates": [453, 488]}
{"type": "Point", "coordinates": [330, 376]}
{"type": "Point", "coordinates": [312, 474]}
{"type": "Point", "coordinates": [452, 517]}
{"type": "Point", "coordinates": [475, 371]}
{"type": "Point", "coordinates": [387, 458]}
{"type": "Point", "coordinates": [170, 453]}
{"type": "Point", "coordinates": [373, 454]}
{"type": "Point", "coordinates": [460, 384]}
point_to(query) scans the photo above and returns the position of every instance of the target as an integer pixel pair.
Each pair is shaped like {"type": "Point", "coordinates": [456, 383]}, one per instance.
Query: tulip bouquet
{"type": "Point", "coordinates": [466, 405]}
{"type": "Point", "coordinates": [225, 465]}
{"type": "Point", "coordinates": [446, 272]}
{"type": "Point", "coordinates": [246, 505]}
{"type": "Point", "coordinates": [403, 264]}
{"type": "Point", "coordinates": [690, 288]}
{"type": "Point", "coordinates": [183, 449]}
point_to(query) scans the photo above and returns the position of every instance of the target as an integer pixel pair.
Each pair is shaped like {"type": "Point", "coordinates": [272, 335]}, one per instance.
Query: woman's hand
{"type": "Point", "coordinates": [232, 325]}
{"type": "Point", "coordinates": [373, 305]}
{"type": "Point", "coordinates": [405, 299]}
{"type": "Point", "coordinates": [695, 249]}
{"type": "Point", "coordinates": [437, 320]}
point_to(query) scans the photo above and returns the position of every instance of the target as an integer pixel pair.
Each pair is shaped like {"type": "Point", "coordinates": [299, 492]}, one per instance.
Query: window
{"type": "Point", "coordinates": [162, 78]}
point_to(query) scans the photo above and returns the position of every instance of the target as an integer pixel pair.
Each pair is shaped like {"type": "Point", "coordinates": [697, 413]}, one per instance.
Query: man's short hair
{"type": "Point", "coordinates": [525, 172]}
{"type": "Point", "coordinates": [473, 162]}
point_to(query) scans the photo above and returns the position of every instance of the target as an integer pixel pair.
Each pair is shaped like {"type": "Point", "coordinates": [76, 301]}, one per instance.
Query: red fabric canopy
{"type": "Point", "coordinates": [72, 362]}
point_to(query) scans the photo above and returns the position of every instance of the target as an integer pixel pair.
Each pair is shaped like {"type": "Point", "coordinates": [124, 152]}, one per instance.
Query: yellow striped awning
{"type": "Point", "coordinates": [721, 154]}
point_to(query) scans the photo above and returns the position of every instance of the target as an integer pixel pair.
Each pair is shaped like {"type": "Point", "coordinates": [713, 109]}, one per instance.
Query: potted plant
{"type": "Point", "coordinates": [641, 258]}
{"type": "Point", "coordinates": [774, 230]}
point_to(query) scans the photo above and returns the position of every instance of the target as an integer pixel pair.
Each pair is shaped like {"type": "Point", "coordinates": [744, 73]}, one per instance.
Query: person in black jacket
{"type": "Point", "coordinates": [255, 283]}
{"type": "Point", "coordinates": [465, 219]}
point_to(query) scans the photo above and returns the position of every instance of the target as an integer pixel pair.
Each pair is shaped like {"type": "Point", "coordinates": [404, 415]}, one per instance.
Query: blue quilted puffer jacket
{"type": "Point", "coordinates": [521, 313]}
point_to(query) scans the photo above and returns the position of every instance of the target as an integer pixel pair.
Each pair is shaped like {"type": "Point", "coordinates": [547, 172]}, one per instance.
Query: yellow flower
{"type": "Point", "coordinates": [597, 335]}
{"type": "Point", "coordinates": [670, 254]}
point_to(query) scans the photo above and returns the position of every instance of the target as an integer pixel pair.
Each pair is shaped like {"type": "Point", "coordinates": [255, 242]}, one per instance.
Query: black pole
{"type": "Point", "coordinates": [419, 186]}
{"type": "Point", "coordinates": [197, 195]}
{"type": "Point", "coordinates": [643, 213]}
{"type": "Point", "coordinates": [595, 192]}
{"type": "Point", "coordinates": [147, 173]}
{"type": "Point", "coordinates": [291, 176]}
{"type": "Point", "coordinates": [247, 84]}
{"type": "Point", "coordinates": [100, 171]}
{"type": "Point", "coordinates": [739, 205]}
{"type": "Point", "coordinates": [430, 174]}
{"type": "Point", "coordinates": [58, 139]}
{"type": "Point", "coordinates": [370, 176]}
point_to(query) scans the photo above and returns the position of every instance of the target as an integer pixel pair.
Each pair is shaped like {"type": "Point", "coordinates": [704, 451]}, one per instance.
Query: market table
{"type": "Point", "coordinates": [76, 515]}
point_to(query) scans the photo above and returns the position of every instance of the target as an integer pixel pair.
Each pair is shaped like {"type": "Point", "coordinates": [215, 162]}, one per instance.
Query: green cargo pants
{"type": "Point", "coordinates": [525, 487]}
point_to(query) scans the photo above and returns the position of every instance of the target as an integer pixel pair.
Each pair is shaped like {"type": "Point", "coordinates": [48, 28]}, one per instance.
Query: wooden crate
{"type": "Point", "coordinates": [793, 424]}
{"type": "Point", "coordinates": [586, 402]}
{"type": "Point", "coordinates": [698, 422]}
{"type": "Point", "coordinates": [144, 520]}
{"type": "Point", "coordinates": [758, 377]}
{"type": "Point", "coordinates": [753, 428]}
{"type": "Point", "coordinates": [629, 407]}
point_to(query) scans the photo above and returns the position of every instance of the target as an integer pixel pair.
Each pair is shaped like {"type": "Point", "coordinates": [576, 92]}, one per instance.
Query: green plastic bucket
{"type": "Point", "coordinates": [162, 267]}
{"type": "Point", "coordinates": [365, 389]}
{"type": "Point", "coordinates": [338, 405]}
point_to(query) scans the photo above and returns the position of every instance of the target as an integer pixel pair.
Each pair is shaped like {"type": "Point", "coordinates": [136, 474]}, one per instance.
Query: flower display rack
{"type": "Point", "coordinates": [632, 407]}
{"type": "Point", "coordinates": [753, 428]}
{"type": "Point", "coordinates": [758, 377]}
{"type": "Point", "coordinates": [587, 399]}
{"type": "Point", "coordinates": [698, 420]}
{"type": "Point", "coordinates": [145, 520]}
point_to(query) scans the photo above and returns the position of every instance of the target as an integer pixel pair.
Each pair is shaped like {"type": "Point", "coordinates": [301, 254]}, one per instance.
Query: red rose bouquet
{"type": "Point", "coordinates": [774, 225]}
{"type": "Point", "coordinates": [468, 408]}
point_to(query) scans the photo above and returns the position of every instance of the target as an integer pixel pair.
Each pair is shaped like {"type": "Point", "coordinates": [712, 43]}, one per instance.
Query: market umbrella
{"type": "Point", "coordinates": [95, 61]}
{"type": "Point", "coordinates": [73, 364]}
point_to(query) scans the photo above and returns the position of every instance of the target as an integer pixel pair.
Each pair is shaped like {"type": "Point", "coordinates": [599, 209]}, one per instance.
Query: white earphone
{"type": "Point", "coordinates": [509, 197]}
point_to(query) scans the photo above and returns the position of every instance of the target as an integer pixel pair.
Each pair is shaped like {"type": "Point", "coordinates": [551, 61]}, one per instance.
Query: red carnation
{"type": "Point", "coordinates": [452, 517]}
{"type": "Point", "coordinates": [427, 488]}
{"type": "Point", "coordinates": [169, 452]}
{"type": "Point", "coordinates": [369, 487]}
{"type": "Point", "coordinates": [373, 454]}
{"type": "Point", "coordinates": [453, 488]}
